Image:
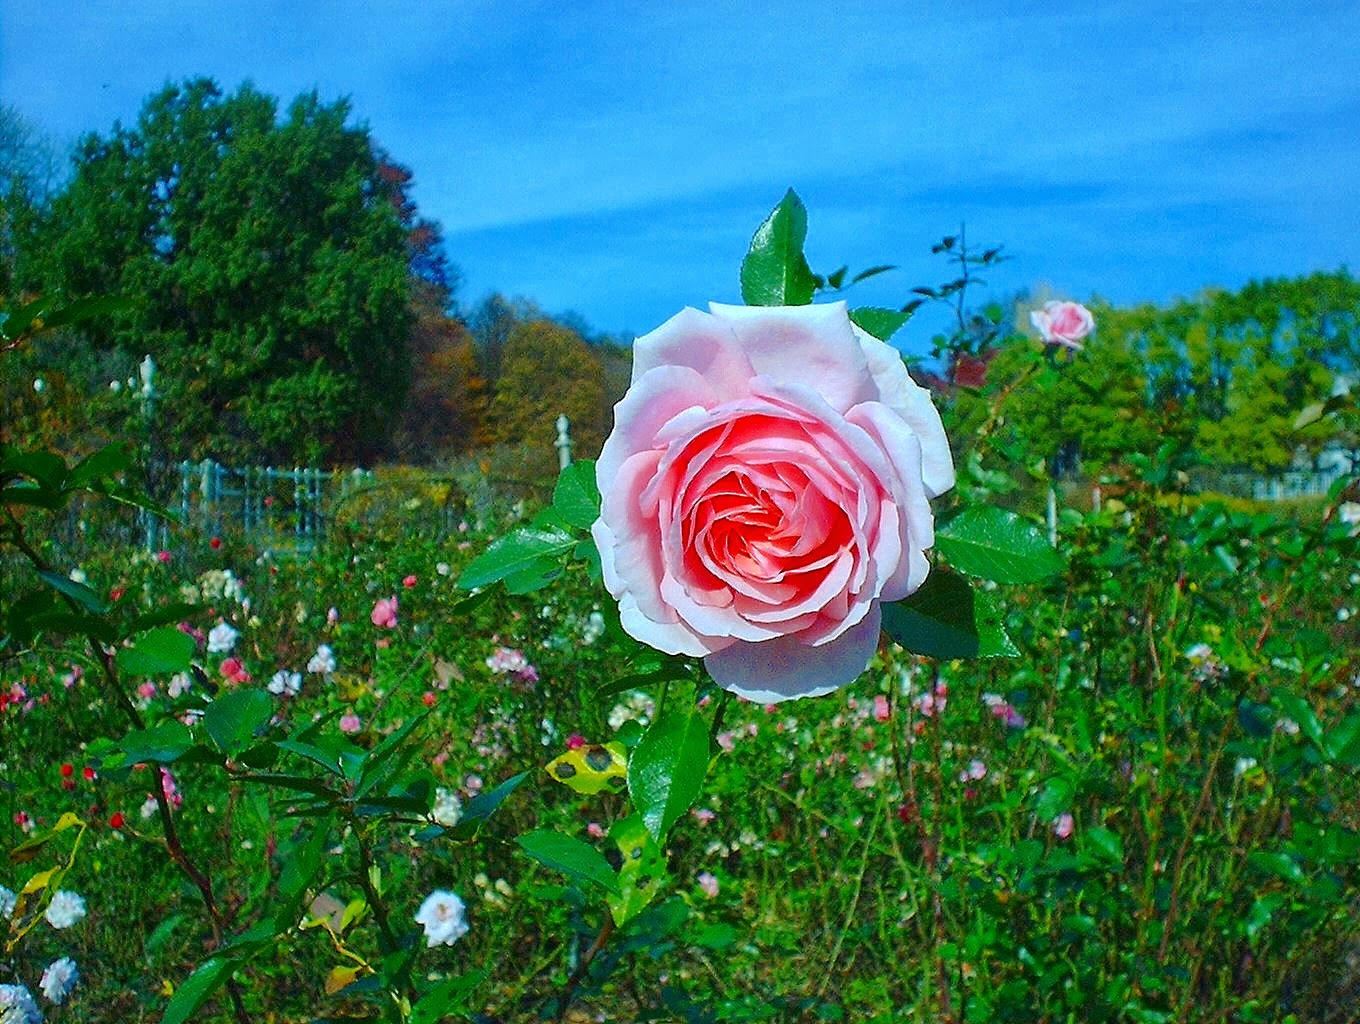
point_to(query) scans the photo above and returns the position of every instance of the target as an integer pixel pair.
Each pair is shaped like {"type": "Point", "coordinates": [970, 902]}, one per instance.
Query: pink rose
{"type": "Point", "coordinates": [384, 614]}
{"type": "Point", "coordinates": [765, 487]}
{"type": "Point", "coordinates": [1063, 323]}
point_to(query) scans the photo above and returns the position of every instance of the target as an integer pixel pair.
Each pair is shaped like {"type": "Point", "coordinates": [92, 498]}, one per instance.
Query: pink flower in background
{"type": "Point", "coordinates": [163, 557]}
{"type": "Point", "coordinates": [703, 815]}
{"type": "Point", "coordinates": [766, 485]}
{"type": "Point", "coordinates": [575, 741]}
{"type": "Point", "coordinates": [350, 723]}
{"type": "Point", "coordinates": [234, 671]}
{"type": "Point", "coordinates": [708, 883]}
{"type": "Point", "coordinates": [1063, 825]}
{"type": "Point", "coordinates": [409, 582]}
{"type": "Point", "coordinates": [508, 661]}
{"type": "Point", "coordinates": [881, 710]}
{"type": "Point", "coordinates": [1063, 323]}
{"type": "Point", "coordinates": [595, 830]}
{"type": "Point", "coordinates": [384, 614]}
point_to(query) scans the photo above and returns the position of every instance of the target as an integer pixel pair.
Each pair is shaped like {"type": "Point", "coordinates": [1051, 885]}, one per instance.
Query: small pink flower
{"type": "Point", "coordinates": [384, 614]}
{"type": "Point", "coordinates": [708, 883]}
{"type": "Point", "coordinates": [1063, 323]}
{"type": "Point", "coordinates": [703, 815]}
{"type": "Point", "coordinates": [332, 616]}
{"type": "Point", "coordinates": [595, 831]}
{"type": "Point", "coordinates": [234, 671]}
{"type": "Point", "coordinates": [975, 771]}
{"type": "Point", "coordinates": [575, 741]}
{"type": "Point", "coordinates": [1062, 826]}
{"type": "Point", "coordinates": [429, 699]}
{"type": "Point", "coordinates": [725, 741]}
{"type": "Point", "coordinates": [881, 710]}
{"type": "Point", "coordinates": [409, 582]}
{"type": "Point", "coordinates": [350, 723]}
{"type": "Point", "coordinates": [473, 783]}
{"type": "Point", "coordinates": [147, 690]}
{"type": "Point", "coordinates": [163, 557]}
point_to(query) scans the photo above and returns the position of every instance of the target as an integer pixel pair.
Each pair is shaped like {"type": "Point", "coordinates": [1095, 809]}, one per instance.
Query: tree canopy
{"type": "Point", "coordinates": [268, 265]}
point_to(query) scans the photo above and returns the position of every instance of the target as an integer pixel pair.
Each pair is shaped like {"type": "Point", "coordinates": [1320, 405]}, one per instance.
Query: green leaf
{"type": "Point", "coordinates": [947, 619]}
{"type": "Point", "coordinates": [1301, 711]}
{"type": "Point", "coordinates": [881, 323]}
{"type": "Point", "coordinates": [109, 460]}
{"type": "Point", "coordinates": [211, 975]}
{"type": "Point", "coordinates": [642, 868]}
{"type": "Point", "coordinates": [569, 855]}
{"type": "Point", "coordinates": [233, 719]}
{"type": "Point", "coordinates": [446, 998]}
{"type": "Point", "coordinates": [515, 553]}
{"type": "Point", "coordinates": [77, 592]}
{"type": "Point", "coordinates": [775, 272]}
{"type": "Point", "coordinates": [166, 741]}
{"type": "Point", "coordinates": [874, 271]}
{"type": "Point", "coordinates": [1281, 865]}
{"type": "Point", "coordinates": [996, 544]}
{"type": "Point", "coordinates": [576, 498]}
{"type": "Point", "coordinates": [1105, 844]}
{"type": "Point", "coordinates": [482, 806]}
{"type": "Point", "coordinates": [162, 932]}
{"type": "Point", "coordinates": [161, 651]}
{"type": "Point", "coordinates": [667, 769]}
{"type": "Point", "coordinates": [1261, 912]}
{"type": "Point", "coordinates": [1054, 798]}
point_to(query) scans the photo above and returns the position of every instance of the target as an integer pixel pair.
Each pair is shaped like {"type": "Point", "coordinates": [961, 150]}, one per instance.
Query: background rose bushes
{"type": "Point", "coordinates": [849, 853]}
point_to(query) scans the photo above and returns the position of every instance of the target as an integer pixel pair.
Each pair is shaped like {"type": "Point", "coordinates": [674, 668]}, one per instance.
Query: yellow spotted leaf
{"type": "Point", "coordinates": [591, 768]}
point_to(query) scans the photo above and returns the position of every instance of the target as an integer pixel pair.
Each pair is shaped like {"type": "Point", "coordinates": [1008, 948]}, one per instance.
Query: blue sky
{"type": "Point", "coordinates": [614, 158]}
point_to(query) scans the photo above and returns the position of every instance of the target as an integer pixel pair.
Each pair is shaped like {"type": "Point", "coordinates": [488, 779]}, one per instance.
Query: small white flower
{"type": "Point", "coordinates": [593, 629]}
{"type": "Point", "coordinates": [221, 638]}
{"type": "Point", "coordinates": [442, 568]}
{"type": "Point", "coordinates": [115, 386]}
{"type": "Point", "coordinates": [58, 980]}
{"type": "Point", "coordinates": [7, 902]}
{"type": "Point", "coordinates": [443, 916]}
{"type": "Point", "coordinates": [77, 576]}
{"type": "Point", "coordinates": [287, 682]}
{"type": "Point", "coordinates": [66, 909]}
{"type": "Point", "coordinates": [447, 807]}
{"type": "Point", "coordinates": [323, 661]}
{"type": "Point", "coordinates": [17, 1006]}
{"type": "Point", "coordinates": [39, 384]}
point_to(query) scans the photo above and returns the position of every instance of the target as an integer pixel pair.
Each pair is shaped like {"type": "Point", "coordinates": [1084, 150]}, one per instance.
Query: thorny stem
{"type": "Point", "coordinates": [105, 659]}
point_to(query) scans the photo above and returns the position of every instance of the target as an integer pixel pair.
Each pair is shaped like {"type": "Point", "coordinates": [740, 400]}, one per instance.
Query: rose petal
{"type": "Point", "coordinates": [810, 345]}
{"type": "Point", "coordinates": [698, 341]}
{"type": "Point", "coordinates": [783, 668]}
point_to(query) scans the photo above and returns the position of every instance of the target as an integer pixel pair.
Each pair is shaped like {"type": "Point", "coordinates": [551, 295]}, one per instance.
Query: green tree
{"type": "Point", "coordinates": [269, 266]}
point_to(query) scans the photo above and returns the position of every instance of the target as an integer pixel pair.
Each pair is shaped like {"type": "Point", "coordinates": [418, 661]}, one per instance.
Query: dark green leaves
{"type": "Point", "coordinates": [666, 771]}
{"type": "Point", "coordinates": [211, 975]}
{"type": "Point", "coordinates": [482, 806]}
{"type": "Point", "coordinates": [162, 651]}
{"type": "Point", "coordinates": [775, 272]}
{"type": "Point", "coordinates": [234, 718]}
{"type": "Point", "coordinates": [576, 498]}
{"type": "Point", "coordinates": [996, 544]}
{"type": "Point", "coordinates": [947, 619]}
{"type": "Point", "coordinates": [881, 323]}
{"type": "Point", "coordinates": [567, 854]}
{"type": "Point", "coordinates": [520, 554]}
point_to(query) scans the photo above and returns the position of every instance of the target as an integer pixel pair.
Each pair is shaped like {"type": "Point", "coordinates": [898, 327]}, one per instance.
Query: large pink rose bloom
{"type": "Point", "coordinates": [766, 485]}
{"type": "Point", "coordinates": [1063, 323]}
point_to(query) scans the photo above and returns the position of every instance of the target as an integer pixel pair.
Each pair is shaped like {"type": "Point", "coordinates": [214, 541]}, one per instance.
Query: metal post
{"type": "Point", "coordinates": [563, 442]}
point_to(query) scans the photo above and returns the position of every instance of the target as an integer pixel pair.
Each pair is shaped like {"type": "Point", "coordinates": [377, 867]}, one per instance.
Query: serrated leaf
{"type": "Point", "coordinates": [775, 271]}
{"type": "Point", "coordinates": [591, 768]}
{"type": "Point", "coordinates": [571, 857]}
{"type": "Point", "coordinates": [667, 768]}
{"type": "Point", "coordinates": [515, 553]}
{"type": "Point", "coordinates": [233, 719]}
{"type": "Point", "coordinates": [881, 323]}
{"type": "Point", "coordinates": [996, 544]}
{"type": "Point", "coordinates": [576, 498]}
{"type": "Point", "coordinates": [161, 651]}
{"type": "Point", "coordinates": [947, 619]}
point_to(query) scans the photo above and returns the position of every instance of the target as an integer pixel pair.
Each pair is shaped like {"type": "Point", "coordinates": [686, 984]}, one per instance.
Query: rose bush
{"type": "Point", "coordinates": [766, 485]}
{"type": "Point", "coordinates": [1063, 323]}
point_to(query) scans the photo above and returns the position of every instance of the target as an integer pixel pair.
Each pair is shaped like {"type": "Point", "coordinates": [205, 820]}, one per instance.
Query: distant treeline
{"type": "Point", "coordinates": [301, 310]}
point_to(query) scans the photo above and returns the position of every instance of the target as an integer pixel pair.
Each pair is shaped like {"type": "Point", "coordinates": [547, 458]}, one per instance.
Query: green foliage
{"type": "Point", "coordinates": [775, 272]}
{"type": "Point", "coordinates": [270, 270]}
